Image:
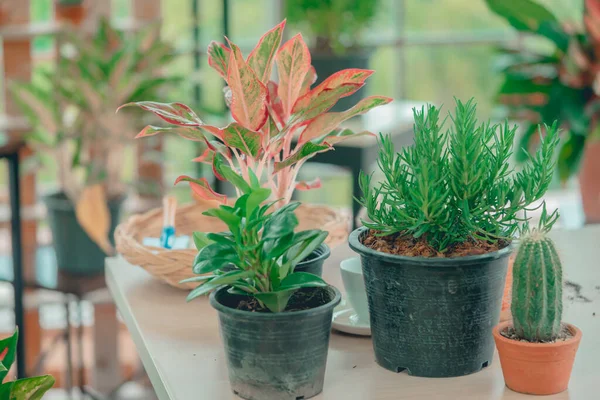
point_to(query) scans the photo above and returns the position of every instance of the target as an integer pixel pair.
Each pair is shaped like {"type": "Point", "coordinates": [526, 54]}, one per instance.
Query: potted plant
{"type": "Point", "coordinates": [544, 85]}
{"type": "Point", "coordinates": [435, 247]}
{"type": "Point", "coordinates": [71, 110]}
{"type": "Point", "coordinates": [536, 349]}
{"type": "Point", "coordinates": [336, 28]}
{"type": "Point", "coordinates": [277, 127]}
{"type": "Point", "coordinates": [275, 321]}
{"type": "Point", "coordinates": [27, 388]}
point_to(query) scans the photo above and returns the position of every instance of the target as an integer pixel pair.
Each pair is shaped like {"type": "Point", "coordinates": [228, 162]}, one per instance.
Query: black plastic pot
{"type": "Point", "coordinates": [327, 64]}
{"type": "Point", "coordinates": [76, 253]}
{"type": "Point", "coordinates": [432, 317]}
{"type": "Point", "coordinates": [275, 356]}
{"type": "Point", "coordinates": [314, 262]}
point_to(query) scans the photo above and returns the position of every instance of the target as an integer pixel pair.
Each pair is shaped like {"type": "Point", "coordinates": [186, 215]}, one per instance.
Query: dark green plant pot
{"type": "Point", "coordinates": [76, 253]}
{"type": "Point", "coordinates": [275, 356]}
{"type": "Point", "coordinates": [432, 317]}
{"type": "Point", "coordinates": [314, 263]}
{"type": "Point", "coordinates": [328, 64]}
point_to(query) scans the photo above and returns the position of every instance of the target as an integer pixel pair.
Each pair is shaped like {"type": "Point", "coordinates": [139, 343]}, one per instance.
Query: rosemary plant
{"type": "Point", "coordinates": [456, 184]}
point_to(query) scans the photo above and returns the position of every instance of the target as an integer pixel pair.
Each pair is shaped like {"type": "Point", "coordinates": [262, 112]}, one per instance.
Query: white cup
{"type": "Point", "coordinates": [354, 285]}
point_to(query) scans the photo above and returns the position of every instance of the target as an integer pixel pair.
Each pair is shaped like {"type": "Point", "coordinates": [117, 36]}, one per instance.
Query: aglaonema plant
{"type": "Point", "coordinates": [258, 255]}
{"type": "Point", "coordinates": [277, 126]}
{"type": "Point", "coordinates": [32, 388]}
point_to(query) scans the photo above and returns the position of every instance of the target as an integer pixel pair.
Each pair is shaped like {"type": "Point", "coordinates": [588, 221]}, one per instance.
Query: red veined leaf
{"type": "Point", "coordinates": [314, 184]}
{"type": "Point", "coordinates": [202, 188]}
{"type": "Point", "coordinates": [218, 57]}
{"type": "Point", "coordinates": [186, 132]}
{"type": "Point", "coordinates": [248, 142]}
{"type": "Point", "coordinates": [313, 106]}
{"type": "Point", "coordinates": [309, 79]}
{"type": "Point", "coordinates": [293, 63]}
{"type": "Point", "coordinates": [339, 135]}
{"type": "Point", "coordinates": [261, 58]}
{"type": "Point", "coordinates": [347, 76]}
{"type": "Point", "coordinates": [307, 150]}
{"type": "Point", "coordinates": [249, 103]}
{"type": "Point", "coordinates": [206, 157]}
{"type": "Point", "coordinates": [173, 113]}
{"type": "Point", "coordinates": [326, 123]}
{"type": "Point", "coordinates": [275, 102]}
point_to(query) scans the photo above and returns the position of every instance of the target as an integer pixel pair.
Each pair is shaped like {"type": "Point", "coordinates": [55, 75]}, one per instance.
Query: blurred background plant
{"type": "Point", "coordinates": [72, 108]}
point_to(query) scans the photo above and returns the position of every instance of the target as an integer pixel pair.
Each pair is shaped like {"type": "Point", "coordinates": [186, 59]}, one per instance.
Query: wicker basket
{"type": "Point", "coordinates": [172, 266]}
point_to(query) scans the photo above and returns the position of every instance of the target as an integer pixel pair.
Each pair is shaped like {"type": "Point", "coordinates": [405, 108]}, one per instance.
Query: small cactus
{"type": "Point", "coordinates": [537, 289]}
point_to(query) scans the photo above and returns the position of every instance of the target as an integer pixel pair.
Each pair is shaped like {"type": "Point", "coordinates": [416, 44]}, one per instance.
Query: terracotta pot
{"type": "Point", "coordinates": [536, 368]}
{"type": "Point", "coordinates": [589, 183]}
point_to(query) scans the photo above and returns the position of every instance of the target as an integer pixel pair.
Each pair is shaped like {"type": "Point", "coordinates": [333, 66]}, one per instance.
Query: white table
{"type": "Point", "coordinates": [181, 350]}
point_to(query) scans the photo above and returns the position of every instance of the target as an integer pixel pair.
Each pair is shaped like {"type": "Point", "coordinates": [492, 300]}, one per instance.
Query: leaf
{"type": "Point", "coordinates": [311, 107]}
{"type": "Point", "coordinates": [228, 174]}
{"type": "Point", "coordinates": [231, 277]}
{"type": "Point", "coordinates": [30, 388]}
{"type": "Point", "coordinates": [218, 57]}
{"type": "Point", "coordinates": [196, 279]}
{"type": "Point", "coordinates": [281, 223]}
{"type": "Point", "coordinates": [249, 102]}
{"type": "Point", "coordinates": [569, 156]}
{"type": "Point", "coordinates": [261, 58]}
{"type": "Point", "coordinates": [307, 150]}
{"type": "Point", "coordinates": [202, 188]}
{"type": "Point", "coordinates": [303, 185]}
{"type": "Point", "coordinates": [37, 105]}
{"type": "Point", "coordinates": [306, 243]}
{"type": "Point", "coordinates": [309, 79]}
{"type": "Point", "coordinates": [186, 132]}
{"type": "Point", "coordinates": [201, 240]}
{"type": "Point", "coordinates": [207, 157]}
{"type": "Point", "coordinates": [339, 135]}
{"type": "Point", "coordinates": [293, 63]}
{"type": "Point", "coordinates": [301, 279]}
{"type": "Point", "coordinates": [274, 249]}
{"type": "Point", "coordinates": [255, 199]}
{"type": "Point", "coordinates": [275, 301]}
{"type": "Point", "coordinates": [93, 215]}
{"type": "Point", "coordinates": [325, 123]}
{"type": "Point", "coordinates": [214, 257]}
{"type": "Point", "coordinates": [8, 350]}
{"type": "Point", "coordinates": [226, 215]}
{"type": "Point", "coordinates": [173, 113]}
{"type": "Point", "coordinates": [247, 141]}
{"type": "Point", "coordinates": [201, 290]}
{"type": "Point", "coordinates": [351, 79]}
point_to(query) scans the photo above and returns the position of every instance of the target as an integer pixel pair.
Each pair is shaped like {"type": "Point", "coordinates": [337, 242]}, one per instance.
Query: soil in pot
{"type": "Point", "coordinates": [537, 368]}
{"type": "Point", "coordinates": [75, 252]}
{"type": "Point", "coordinates": [276, 356]}
{"type": "Point", "coordinates": [327, 64]}
{"type": "Point", "coordinates": [432, 316]}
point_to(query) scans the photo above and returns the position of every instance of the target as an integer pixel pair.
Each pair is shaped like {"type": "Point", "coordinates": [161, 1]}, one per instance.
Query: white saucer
{"type": "Point", "coordinates": [344, 320]}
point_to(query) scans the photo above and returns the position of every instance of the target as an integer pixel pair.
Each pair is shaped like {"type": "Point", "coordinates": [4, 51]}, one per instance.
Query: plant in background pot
{"type": "Point", "coordinates": [536, 349]}
{"type": "Point", "coordinates": [336, 28]}
{"type": "Point", "coordinates": [72, 111]}
{"type": "Point", "coordinates": [277, 126]}
{"type": "Point", "coordinates": [435, 249]}
{"type": "Point", "coordinates": [32, 388]}
{"type": "Point", "coordinates": [275, 321]}
{"type": "Point", "coordinates": [560, 82]}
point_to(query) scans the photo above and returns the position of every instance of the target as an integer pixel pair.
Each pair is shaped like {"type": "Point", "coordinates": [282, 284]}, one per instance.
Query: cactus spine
{"type": "Point", "coordinates": [537, 289]}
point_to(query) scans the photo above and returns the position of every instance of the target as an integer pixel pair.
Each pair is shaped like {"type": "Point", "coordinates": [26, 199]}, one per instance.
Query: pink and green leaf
{"type": "Point", "coordinates": [307, 150]}
{"type": "Point", "coordinates": [312, 104]}
{"type": "Point", "coordinates": [186, 132]}
{"type": "Point", "coordinates": [303, 185]}
{"type": "Point", "coordinates": [309, 79]}
{"type": "Point", "coordinates": [262, 57]}
{"type": "Point", "coordinates": [206, 157]}
{"type": "Point", "coordinates": [173, 113]}
{"type": "Point", "coordinates": [249, 103]}
{"type": "Point", "coordinates": [218, 57]}
{"type": "Point", "coordinates": [293, 64]}
{"type": "Point", "coordinates": [326, 123]}
{"type": "Point", "coordinates": [202, 188]}
{"type": "Point", "coordinates": [276, 105]}
{"type": "Point", "coordinates": [248, 142]}
{"type": "Point", "coordinates": [339, 135]}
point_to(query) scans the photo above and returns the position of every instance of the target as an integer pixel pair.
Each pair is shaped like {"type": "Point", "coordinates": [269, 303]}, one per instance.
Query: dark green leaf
{"type": "Point", "coordinates": [282, 222]}
{"type": "Point", "coordinates": [9, 343]}
{"type": "Point", "coordinates": [230, 175]}
{"type": "Point", "coordinates": [275, 301]}
{"type": "Point", "coordinates": [28, 388]}
{"type": "Point", "coordinates": [301, 279]}
{"type": "Point", "coordinates": [201, 240]}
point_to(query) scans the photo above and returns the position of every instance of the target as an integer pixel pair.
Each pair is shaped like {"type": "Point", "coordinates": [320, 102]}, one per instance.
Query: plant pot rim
{"type": "Point", "coordinates": [575, 331]}
{"type": "Point", "coordinates": [269, 316]}
{"type": "Point", "coordinates": [357, 246]}
{"type": "Point", "coordinates": [325, 254]}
